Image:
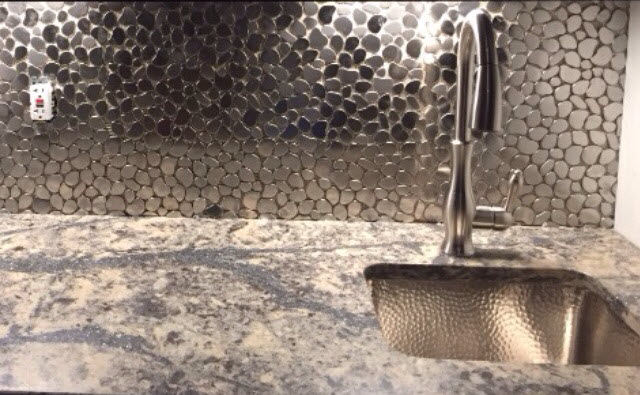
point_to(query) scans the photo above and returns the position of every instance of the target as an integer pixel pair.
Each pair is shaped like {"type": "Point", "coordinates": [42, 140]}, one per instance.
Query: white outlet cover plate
{"type": "Point", "coordinates": [41, 96]}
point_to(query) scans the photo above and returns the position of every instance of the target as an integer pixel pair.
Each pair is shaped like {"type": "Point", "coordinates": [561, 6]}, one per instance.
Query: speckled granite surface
{"type": "Point", "coordinates": [107, 304]}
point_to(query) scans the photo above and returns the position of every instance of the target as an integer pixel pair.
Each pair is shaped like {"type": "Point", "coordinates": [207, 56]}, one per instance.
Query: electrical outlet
{"type": "Point", "coordinates": [42, 100]}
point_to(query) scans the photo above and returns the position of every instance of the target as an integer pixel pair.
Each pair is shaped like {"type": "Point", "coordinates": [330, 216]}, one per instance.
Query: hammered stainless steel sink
{"type": "Point", "coordinates": [502, 314]}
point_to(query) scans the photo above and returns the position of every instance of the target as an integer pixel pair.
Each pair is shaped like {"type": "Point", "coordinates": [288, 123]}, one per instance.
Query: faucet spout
{"type": "Point", "coordinates": [477, 113]}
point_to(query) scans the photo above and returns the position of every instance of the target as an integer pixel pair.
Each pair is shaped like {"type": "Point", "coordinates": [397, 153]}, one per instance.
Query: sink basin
{"type": "Point", "coordinates": [501, 314]}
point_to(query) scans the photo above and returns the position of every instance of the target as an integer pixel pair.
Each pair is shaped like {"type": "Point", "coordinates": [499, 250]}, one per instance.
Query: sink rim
{"type": "Point", "coordinates": [403, 271]}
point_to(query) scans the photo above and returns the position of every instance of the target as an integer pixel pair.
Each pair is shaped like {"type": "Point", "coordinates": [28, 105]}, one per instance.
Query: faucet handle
{"type": "Point", "coordinates": [516, 181]}
{"type": "Point", "coordinates": [500, 218]}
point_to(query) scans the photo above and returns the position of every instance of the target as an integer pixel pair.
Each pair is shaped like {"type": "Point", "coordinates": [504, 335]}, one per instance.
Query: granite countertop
{"type": "Point", "coordinates": [112, 304]}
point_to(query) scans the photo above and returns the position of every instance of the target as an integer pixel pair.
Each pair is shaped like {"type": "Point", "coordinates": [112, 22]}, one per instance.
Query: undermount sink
{"type": "Point", "coordinates": [501, 314]}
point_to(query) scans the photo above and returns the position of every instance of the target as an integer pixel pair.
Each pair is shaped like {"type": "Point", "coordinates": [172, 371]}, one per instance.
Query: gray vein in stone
{"type": "Point", "coordinates": [92, 335]}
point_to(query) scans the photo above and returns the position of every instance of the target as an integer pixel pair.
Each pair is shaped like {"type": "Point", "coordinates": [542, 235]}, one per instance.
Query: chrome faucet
{"type": "Point", "coordinates": [460, 212]}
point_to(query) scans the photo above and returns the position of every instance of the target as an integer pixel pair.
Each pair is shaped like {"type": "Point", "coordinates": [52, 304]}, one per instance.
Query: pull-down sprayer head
{"type": "Point", "coordinates": [486, 111]}
{"type": "Point", "coordinates": [483, 112]}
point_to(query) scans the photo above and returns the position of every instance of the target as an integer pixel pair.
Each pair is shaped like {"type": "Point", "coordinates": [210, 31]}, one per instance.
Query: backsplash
{"type": "Point", "coordinates": [307, 110]}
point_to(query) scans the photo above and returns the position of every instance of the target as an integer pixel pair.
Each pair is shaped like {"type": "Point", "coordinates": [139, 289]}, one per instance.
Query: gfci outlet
{"type": "Point", "coordinates": [42, 100]}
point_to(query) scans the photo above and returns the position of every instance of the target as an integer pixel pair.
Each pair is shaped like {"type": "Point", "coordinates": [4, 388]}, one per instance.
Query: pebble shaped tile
{"type": "Point", "coordinates": [286, 110]}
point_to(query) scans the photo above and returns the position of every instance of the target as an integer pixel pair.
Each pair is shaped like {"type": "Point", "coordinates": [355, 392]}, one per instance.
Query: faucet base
{"type": "Point", "coordinates": [457, 248]}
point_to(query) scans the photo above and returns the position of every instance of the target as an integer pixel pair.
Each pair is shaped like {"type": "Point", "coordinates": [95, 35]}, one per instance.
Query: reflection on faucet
{"type": "Point", "coordinates": [460, 212]}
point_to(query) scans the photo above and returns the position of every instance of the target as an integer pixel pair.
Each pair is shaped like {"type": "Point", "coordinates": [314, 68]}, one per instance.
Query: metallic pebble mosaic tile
{"type": "Point", "coordinates": [311, 110]}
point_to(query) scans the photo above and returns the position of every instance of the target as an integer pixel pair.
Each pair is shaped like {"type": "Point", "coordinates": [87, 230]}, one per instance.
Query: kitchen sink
{"type": "Point", "coordinates": [502, 314]}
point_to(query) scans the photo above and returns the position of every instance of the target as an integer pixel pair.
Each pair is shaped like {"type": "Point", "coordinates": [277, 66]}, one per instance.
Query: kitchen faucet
{"type": "Point", "coordinates": [460, 212]}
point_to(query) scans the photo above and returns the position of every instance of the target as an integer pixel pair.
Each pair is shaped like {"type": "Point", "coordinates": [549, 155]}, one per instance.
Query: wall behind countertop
{"type": "Point", "coordinates": [628, 191]}
{"type": "Point", "coordinates": [304, 110]}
